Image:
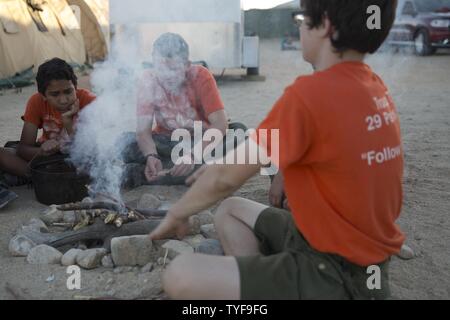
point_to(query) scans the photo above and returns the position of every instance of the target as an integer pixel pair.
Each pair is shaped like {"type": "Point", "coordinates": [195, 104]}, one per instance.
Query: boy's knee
{"type": "Point", "coordinates": [230, 204]}
{"type": "Point", "coordinates": [176, 280]}
{"type": "Point", "coordinates": [226, 208]}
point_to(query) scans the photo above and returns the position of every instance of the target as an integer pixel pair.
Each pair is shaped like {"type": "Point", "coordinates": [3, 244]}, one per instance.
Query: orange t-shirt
{"type": "Point", "coordinates": [45, 117]}
{"type": "Point", "coordinates": [195, 101]}
{"type": "Point", "coordinates": [341, 154]}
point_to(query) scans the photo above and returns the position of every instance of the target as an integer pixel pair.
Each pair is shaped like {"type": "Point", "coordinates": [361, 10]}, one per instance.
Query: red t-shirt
{"type": "Point", "coordinates": [45, 117]}
{"type": "Point", "coordinates": [196, 100]}
{"type": "Point", "coordinates": [341, 154]}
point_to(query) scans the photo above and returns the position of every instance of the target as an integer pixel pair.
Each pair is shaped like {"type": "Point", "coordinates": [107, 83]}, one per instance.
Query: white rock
{"type": "Point", "coordinates": [44, 254]}
{"type": "Point", "coordinates": [148, 201]}
{"type": "Point", "coordinates": [107, 261]}
{"type": "Point", "coordinates": [176, 248]}
{"type": "Point", "coordinates": [194, 225]}
{"type": "Point", "coordinates": [20, 246]}
{"type": "Point", "coordinates": [34, 225]}
{"type": "Point", "coordinates": [69, 217]}
{"type": "Point", "coordinates": [406, 253]}
{"type": "Point", "coordinates": [70, 257]}
{"type": "Point", "coordinates": [161, 261]}
{"type": "Point", "coordinates": [147, 268]}
{"type": "Point", "coordinates": [132, 251]}
{"type": "Point", "coordinates": [52, 215]}
{"type": "Point", "coordinates": [209, 232]}
{"type": "Point", "coordinates": [206, 217]}
{"type": "Point", "coordinates": [82, 246]}
{"type": "Point", "coordinates": [194, 241]}
{"type": "Point", "coordinates": [87, 200]}
{"type": "Point", "coordinates": [210, 247]}
{"type": "Point", "coordinates": [90, 259]}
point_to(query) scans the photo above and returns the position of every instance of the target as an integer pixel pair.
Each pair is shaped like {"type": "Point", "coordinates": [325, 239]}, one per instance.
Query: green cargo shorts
{"type": "Point", "coordinates": [290, 269]}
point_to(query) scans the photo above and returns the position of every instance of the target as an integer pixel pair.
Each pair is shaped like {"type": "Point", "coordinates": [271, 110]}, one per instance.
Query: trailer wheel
{"type": "Point", "coordinates": [252, 71]}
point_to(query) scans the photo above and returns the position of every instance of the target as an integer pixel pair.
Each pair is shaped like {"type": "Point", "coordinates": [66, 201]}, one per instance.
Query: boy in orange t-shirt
{"type": "Point", "coordinates": [340, 153]}
{"type": "Point", "coordinates": [173, 94]}
{"type": "Point", "coordinates": [54, 109]}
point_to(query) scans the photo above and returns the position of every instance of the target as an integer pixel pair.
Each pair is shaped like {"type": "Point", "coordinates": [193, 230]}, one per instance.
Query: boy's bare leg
{"type": "Point", "coordinates": [234, 221]}
{"type": "Point", "coordinates": [202, 277]}
{"type": "Point", "coordinates": [13, 164]}
{"type": "Point", "coordinates": [195, 276]}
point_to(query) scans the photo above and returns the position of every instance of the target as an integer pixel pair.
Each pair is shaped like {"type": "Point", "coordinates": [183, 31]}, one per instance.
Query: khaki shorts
{"type": "Point", "coordinates": [290, 269]}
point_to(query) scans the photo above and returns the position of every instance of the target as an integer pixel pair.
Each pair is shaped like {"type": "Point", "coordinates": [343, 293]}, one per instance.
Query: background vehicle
{"type": "Point", "coordinates": [423, 24]}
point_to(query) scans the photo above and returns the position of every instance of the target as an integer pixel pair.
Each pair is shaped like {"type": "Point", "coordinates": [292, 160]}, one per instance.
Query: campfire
{"type": "Point", "coordinates": [111, 212]}
{"type": "Point", "coordinates": [95, 222]}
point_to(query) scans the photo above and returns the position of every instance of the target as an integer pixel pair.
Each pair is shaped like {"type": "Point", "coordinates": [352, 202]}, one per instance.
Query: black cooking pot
{"type": "Point", "coordinates": [56, 181]}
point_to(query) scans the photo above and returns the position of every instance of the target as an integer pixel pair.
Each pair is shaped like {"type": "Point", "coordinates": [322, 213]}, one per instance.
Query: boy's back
{"type": "Point", "coordinates": [341, 155]}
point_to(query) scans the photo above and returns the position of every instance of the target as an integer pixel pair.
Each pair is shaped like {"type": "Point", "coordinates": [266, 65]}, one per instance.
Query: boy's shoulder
{"type": "Point", "coordinates": [343, 77]}
{"type": "Point", "coordinates": [84, 92]}
{"type": "Point", "coordinates": [198, 73]}
{"type": "Point", "coordinates": [36, 101]}
{"type": "Point", "coordinates": [85, 96]}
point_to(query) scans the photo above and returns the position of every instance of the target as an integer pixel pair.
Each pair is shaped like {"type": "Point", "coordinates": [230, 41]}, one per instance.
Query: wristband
{"type": "Point", "coordinates": [154, 155]}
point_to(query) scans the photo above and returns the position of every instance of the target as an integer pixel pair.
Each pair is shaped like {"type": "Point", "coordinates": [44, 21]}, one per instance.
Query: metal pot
{"type": "Point", "coordinates": [56, 181]}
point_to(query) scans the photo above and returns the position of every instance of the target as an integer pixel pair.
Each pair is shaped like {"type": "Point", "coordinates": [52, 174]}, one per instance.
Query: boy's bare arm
{"type": "Point", "coordinates": [144, 136]}
{"type": "Point", "coordinates": [212, 184]}
{"type": "Point", "coordinates": [67, 118]}
{"type": "Point", "coordinates": [27, 149]}
{"type": "Point", "coordinates": [218, 120]}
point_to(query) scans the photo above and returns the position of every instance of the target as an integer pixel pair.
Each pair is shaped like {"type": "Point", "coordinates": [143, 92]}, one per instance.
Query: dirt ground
{"type": "Point", "coordinates": [421, 89]}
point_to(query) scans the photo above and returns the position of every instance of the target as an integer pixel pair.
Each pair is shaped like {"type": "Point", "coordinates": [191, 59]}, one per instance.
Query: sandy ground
{"type": "Point", "coordinates": [421, 89]}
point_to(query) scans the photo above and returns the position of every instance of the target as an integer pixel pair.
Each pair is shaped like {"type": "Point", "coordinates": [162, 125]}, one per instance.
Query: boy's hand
{"type": "Point", "coordinates": [183, 169]}
{"type": "Point", "coordinates": [171, 227]}
{"type": "Point", "coordinates": [277, 191]}
{"type": "Point", "coordinates": [50, 147]}
{"type": "Point", "coordinates": [152, 168]}
{"type": "Point", "coordinates": [74, 109]}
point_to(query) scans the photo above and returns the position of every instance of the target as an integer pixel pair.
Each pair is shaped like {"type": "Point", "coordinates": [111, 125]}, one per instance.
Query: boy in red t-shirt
{"type": "Point", "coordinates": [54, 109]}
{"type": "Point", "coordinates": [341, 156]}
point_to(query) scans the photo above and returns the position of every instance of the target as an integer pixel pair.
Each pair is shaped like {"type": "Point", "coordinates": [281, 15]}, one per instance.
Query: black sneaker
{"type": "Point", "coordinates": [6, 197]}
{"type": "Point", "coordinates": [14, 181]}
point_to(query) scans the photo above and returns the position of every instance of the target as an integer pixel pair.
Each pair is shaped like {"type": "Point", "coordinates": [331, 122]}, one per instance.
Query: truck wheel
{"type": "Point", "coordinates": [422, 45]}
{"type": "Point", "coordinates": [252, 71]}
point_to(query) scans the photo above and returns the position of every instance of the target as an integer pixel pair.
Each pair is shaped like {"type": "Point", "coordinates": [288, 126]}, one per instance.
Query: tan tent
{"type": "Point", "coordinates": [32, 31]}
{"type": "Point", "coordinates": [93, 16]}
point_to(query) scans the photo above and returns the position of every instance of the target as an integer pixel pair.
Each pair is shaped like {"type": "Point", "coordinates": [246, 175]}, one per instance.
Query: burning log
{"type": "Point", "coordinates": [111, 207]}
{"type": "Point", "coordinates": [97, 231]}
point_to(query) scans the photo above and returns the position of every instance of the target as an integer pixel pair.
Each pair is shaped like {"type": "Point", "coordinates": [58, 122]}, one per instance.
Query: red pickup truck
{"type": "Point", "coordinates": [423, 24]}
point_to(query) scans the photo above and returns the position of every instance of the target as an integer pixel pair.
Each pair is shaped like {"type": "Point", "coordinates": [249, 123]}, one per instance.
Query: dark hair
{"type": "Point", "coordinates": [171, 45]}
{"type": "Point", "coordinates": [349, 19]}
{"type": "Point", "coordinates": [54, 69]}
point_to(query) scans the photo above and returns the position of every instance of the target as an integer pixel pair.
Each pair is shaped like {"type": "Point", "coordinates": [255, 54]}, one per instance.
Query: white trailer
{"type": "Point", "coordinates": [214, 29]}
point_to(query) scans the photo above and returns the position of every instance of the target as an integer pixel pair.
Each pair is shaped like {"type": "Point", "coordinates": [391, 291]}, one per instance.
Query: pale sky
{"type": "Point", "coordinates": [262, 4]}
